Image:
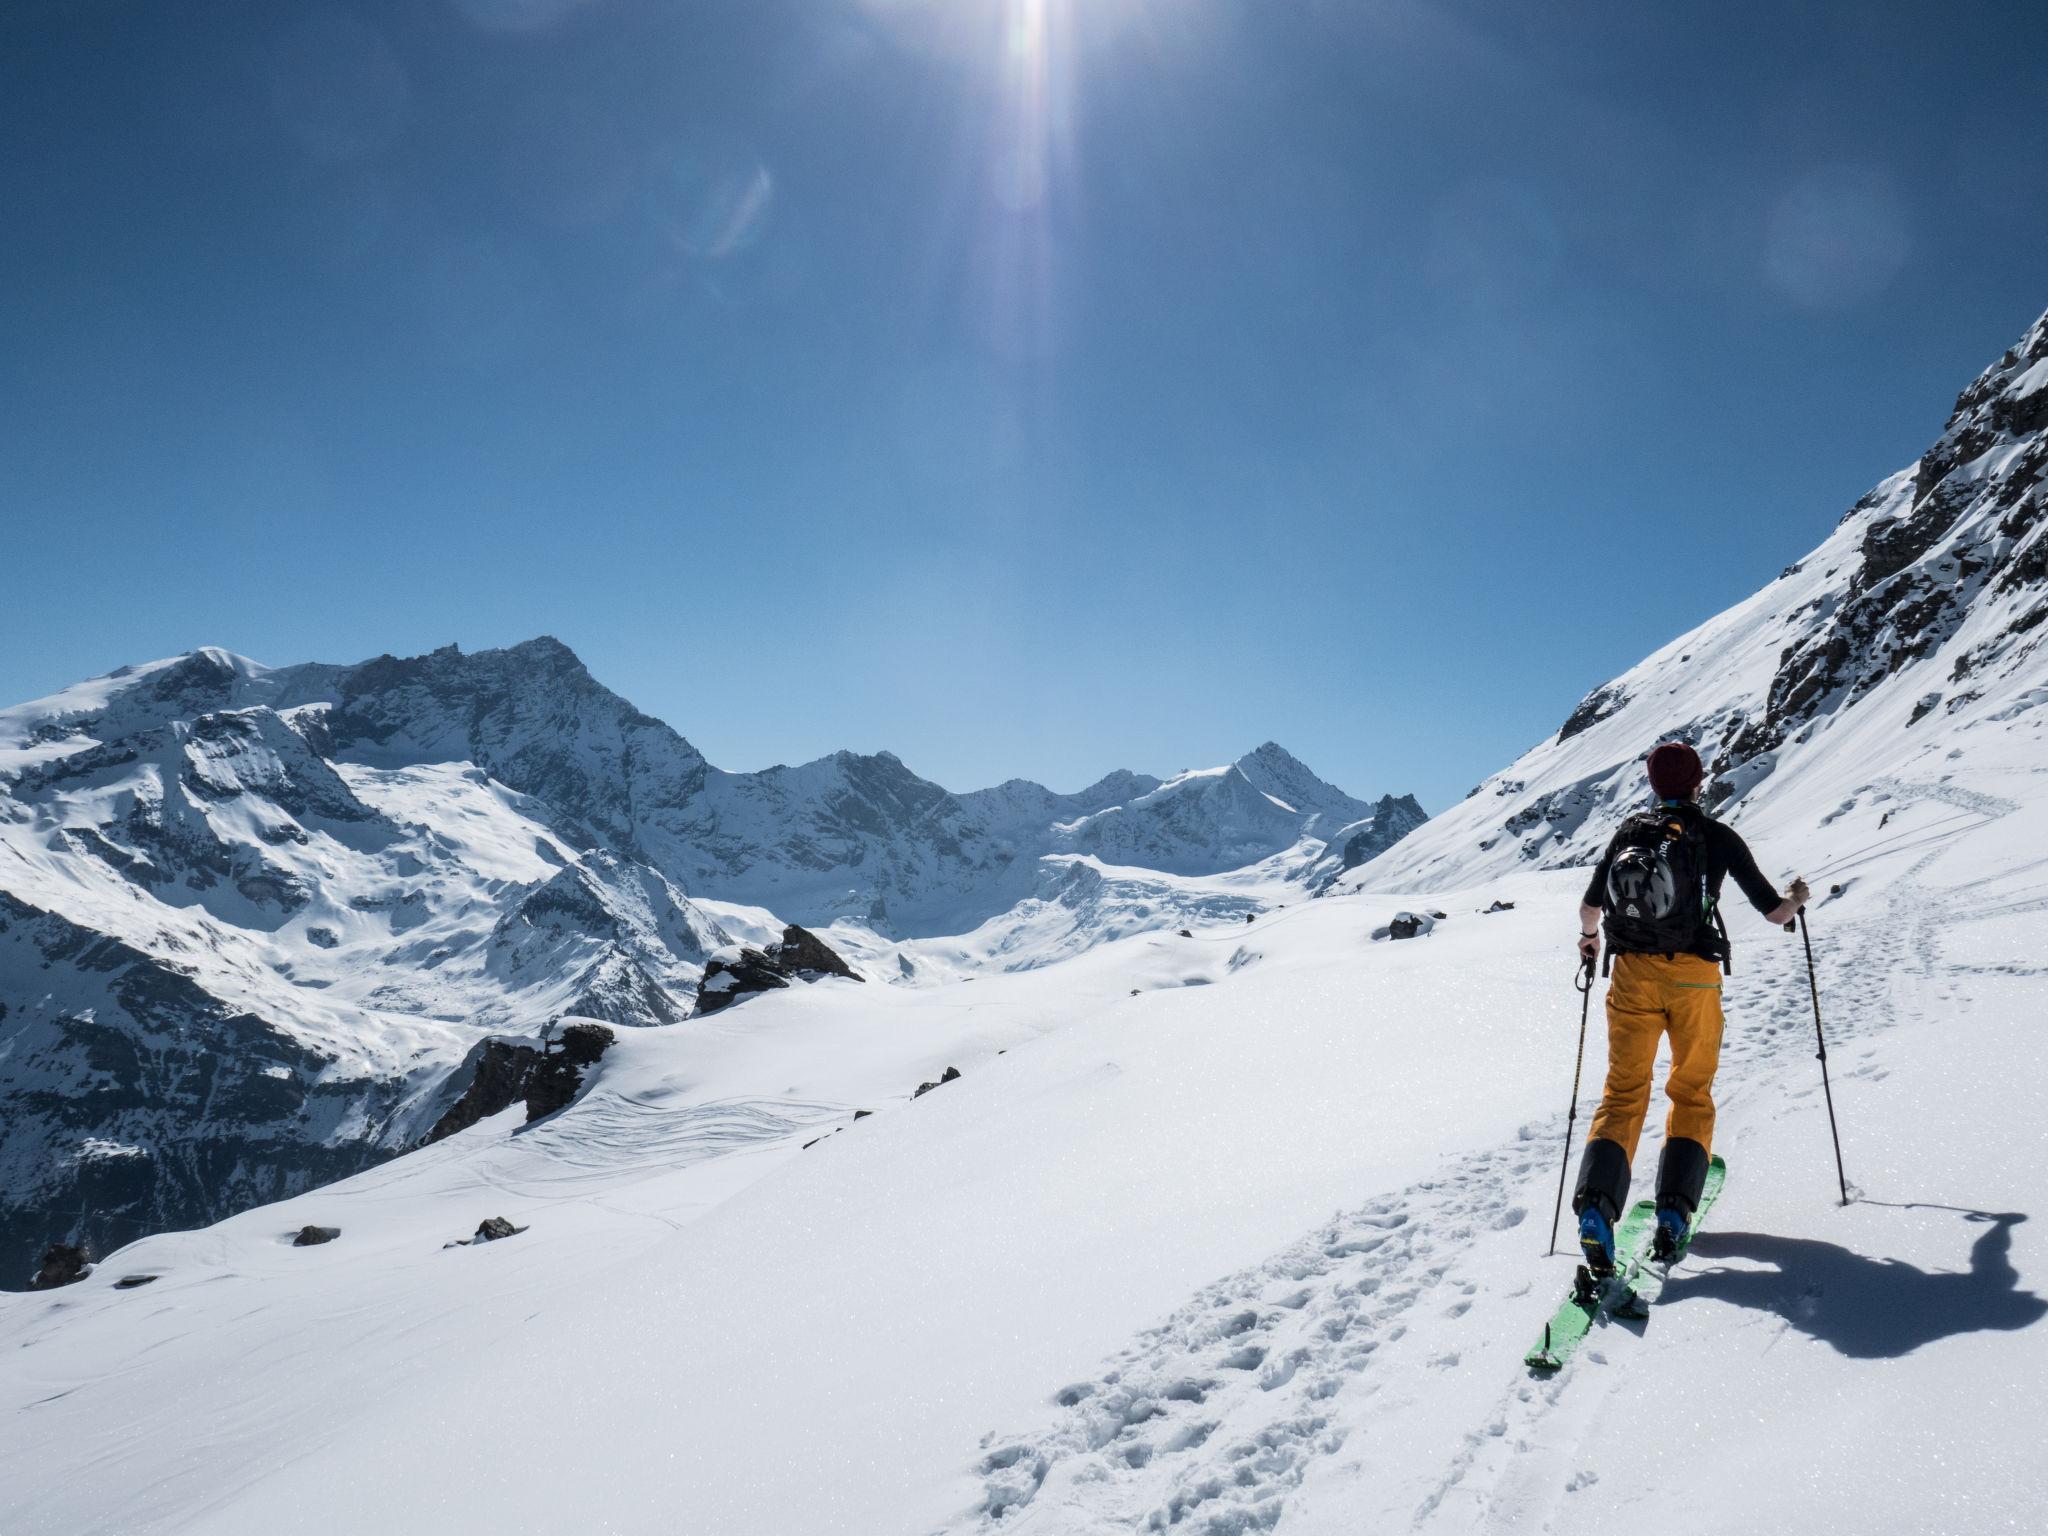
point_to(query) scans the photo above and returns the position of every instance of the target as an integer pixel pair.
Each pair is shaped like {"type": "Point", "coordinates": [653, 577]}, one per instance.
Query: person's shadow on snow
{"type": "Point", "coordinates": [1866, 1308]}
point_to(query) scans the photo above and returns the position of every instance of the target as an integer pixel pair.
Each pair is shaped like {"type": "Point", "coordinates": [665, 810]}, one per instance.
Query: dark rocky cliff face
{"type": "Point", "coordinates": [1972, 527]}
{"type": "Point", "coordinates": [134, 1101]}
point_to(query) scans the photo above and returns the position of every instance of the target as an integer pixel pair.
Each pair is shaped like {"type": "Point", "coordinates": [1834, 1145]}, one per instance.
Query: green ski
{"type": "Point", "coordinates": [1646, 1283]}
{"type": "Point", "coordinates": [1591, 1299]}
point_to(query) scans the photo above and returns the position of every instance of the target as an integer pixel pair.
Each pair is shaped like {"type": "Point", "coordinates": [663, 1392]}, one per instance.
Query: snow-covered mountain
{"type": "Point", "coordinates": [354, 871]}
{"type": "Point", "coordinates": [1913, 633]}
{"type": "Point", "coordinates": [1209, 820]}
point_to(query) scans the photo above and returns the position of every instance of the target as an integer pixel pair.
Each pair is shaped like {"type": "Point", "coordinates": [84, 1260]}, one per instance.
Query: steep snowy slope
{"type": "Point", "coordinates": [231, 967]}
{"type": "Point", "coordinates": [1908, 639]}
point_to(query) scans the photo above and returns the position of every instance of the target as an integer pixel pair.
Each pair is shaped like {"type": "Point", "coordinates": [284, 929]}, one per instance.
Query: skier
{"type": "Point", "coordinates": [1658, 887]}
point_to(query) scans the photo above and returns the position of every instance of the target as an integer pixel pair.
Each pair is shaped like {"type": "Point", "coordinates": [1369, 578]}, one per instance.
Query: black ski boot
{"type": "Point", "coordinates": [1668, 1242]}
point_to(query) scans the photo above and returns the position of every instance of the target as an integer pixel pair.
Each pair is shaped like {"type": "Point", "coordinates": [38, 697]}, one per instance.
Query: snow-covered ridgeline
{"type": "Point", "coordinates": [1915, 625]}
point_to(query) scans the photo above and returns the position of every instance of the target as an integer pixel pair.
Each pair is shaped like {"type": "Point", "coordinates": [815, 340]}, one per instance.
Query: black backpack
{"type": "Point", "coordinates": [1657, 900]}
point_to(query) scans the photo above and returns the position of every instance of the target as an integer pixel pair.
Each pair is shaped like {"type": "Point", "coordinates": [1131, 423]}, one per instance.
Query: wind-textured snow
{"type": "Point", "coordinates": [1238, 1231]}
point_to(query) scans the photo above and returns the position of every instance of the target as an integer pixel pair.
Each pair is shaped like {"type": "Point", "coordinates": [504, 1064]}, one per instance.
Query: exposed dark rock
{"type": "Point", "coordinates": [1913, 585]}
{"type": "Point", "coordinates": [1592, 709]}
{"type": "Point", "coordinates": [1502, 906]}
{"type": "Point", "coordinates": [63, 1264]}
{"type": "Point", "coordinates": [323, 938]}
{"type": "Point", "coordinates": [558, 1074]}
{"type": "Point", "coordinates": [133, 1282]}
{"type": "Point", "coordinates": [504, 1073]}
{"type": "Point", "coordinates": [862, 1114]}
{"type": "Point", "coordinates": [489, 1230]}
{"type": "Point", "coordinates": [1393, 818]}
{"type": "Point", "coordinates": [1184, 933]}
{"type": "Point", "coordinates": [727, 981]}
{"type": "Point", "coordinates": [312, 1237]}
{"type": "Point", "coordinates": [801, 955]}
{"type": "Point", "coordinates": [139, 1098]}
{"type": "Point", "coordinates": [947, 1076]}
{"type": "Point", "coordinates": [1405, 926]}
{"type": "Point", "coordinates": [499, 1073]}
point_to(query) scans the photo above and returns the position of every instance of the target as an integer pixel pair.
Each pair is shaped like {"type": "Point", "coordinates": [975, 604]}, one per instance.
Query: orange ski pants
{"type": "Point", "coordinates": [1651, 996]}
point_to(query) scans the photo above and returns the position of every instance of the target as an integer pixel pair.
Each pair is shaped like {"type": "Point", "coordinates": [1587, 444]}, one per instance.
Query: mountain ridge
{"type": "Point", "coordinates": [369, 866]}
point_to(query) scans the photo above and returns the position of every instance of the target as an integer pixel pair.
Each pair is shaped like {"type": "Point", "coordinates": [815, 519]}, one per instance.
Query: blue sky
{"type": "Point", "coordinates": [1026, 386]}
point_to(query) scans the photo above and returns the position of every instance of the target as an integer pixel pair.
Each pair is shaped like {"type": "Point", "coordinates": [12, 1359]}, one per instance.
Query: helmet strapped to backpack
{"type": "Point", "coordinates": [1657, 899]}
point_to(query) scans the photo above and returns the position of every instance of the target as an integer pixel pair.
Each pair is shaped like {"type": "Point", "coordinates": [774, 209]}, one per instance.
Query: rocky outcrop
{"type": "Point", "coordinates": [558, 1075]}
{"type": "Point", "coordinates": [950, 1075]}
{"type": "Point", "coordinates": [801, 955]}
{"type": "Point", "coordinates": [1596, 706]}
{"type": "Point", "coordinates": [310, 1236]}
{"type": "Point", "coordinates": [62, 1264]}
{"type": "Point", "coordinates": [499, 1071]}
{"type": "Point", "coordinates": [507, 1072]}
{"type": "Point", "coordinates": [727, 981]}
{"type": "Point", "coordinates": [1971, 523]}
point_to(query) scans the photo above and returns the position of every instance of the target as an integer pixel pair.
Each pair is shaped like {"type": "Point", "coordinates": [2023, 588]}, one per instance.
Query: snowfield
{"type": "Point", "coordinates": [1262, 1242]}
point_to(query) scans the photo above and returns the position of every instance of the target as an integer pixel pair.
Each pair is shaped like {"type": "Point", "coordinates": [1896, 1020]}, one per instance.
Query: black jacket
{"type": "Point", "coordinates": [1727, 854]}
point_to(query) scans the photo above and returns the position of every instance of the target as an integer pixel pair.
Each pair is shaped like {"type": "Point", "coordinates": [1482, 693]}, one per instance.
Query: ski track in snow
{"type": "Point", "coordinates": [1207, 1422]}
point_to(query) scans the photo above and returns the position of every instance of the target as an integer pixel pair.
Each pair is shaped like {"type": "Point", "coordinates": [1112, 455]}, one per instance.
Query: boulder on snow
{"type": "Point", "coordinates": [133, 1282]}
{"type": "Point", "coordinates": [310, 1236]}
{"type": "Point", "coordinates": [800, 956]}
{"type": "Point", "coordinates": [556, 1077]}
{"type": "Point", "coordinates": [489, 1230]}
{"type": "Point", "coordinates": [947, 1076]}
{"type": "Point", "coordinates": [1501, 906]}
{"type": "Point", "coordinates": [1406, 925]}
{"type": "Point", "coordinates": [63, 1264]}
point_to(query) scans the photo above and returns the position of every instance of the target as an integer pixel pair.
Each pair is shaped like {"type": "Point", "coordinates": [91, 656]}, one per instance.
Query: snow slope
{"type": "Point", "coordinates": [1261, 1243]}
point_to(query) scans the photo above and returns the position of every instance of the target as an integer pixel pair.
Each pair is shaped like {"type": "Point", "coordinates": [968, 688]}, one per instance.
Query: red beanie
{"type": "Point", "coordinates": [1675, 771]}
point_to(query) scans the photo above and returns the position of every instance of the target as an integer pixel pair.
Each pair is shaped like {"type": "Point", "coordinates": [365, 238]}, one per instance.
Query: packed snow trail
{"type": "Point", "coordinates": [1213, 1421]}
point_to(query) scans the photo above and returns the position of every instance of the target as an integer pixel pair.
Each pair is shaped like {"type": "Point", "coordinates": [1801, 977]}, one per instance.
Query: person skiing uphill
{"type": "Point", "coordinates": [1656, 892]}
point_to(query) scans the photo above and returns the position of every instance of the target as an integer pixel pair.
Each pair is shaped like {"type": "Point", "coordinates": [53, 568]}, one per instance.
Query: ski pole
{"type": "Point", "coordinates": [1821, 1040]}
{"type": "Point", "coordinates": [1585, 990]}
